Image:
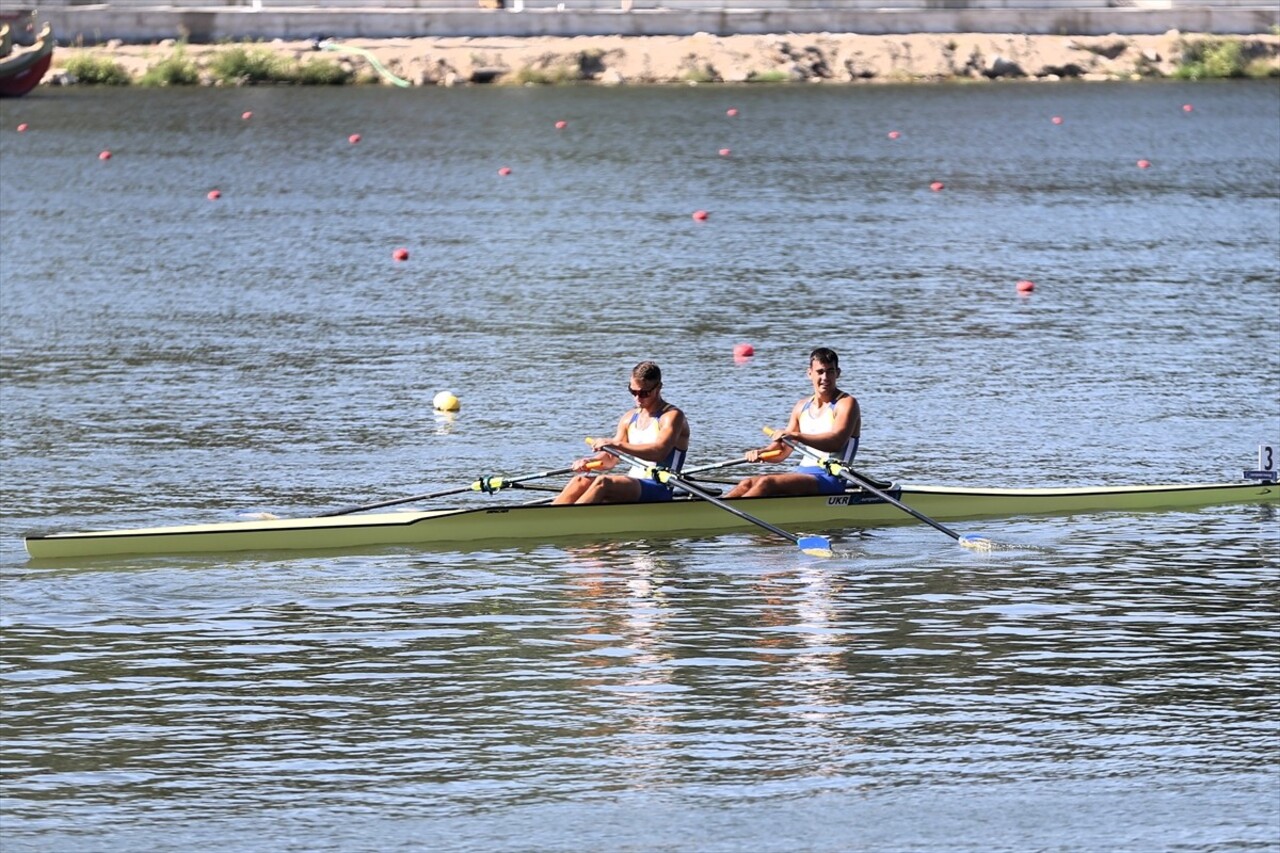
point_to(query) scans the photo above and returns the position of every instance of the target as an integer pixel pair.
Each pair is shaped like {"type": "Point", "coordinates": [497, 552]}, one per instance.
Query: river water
{"type": "Point", "coordinates": [1110, 684]}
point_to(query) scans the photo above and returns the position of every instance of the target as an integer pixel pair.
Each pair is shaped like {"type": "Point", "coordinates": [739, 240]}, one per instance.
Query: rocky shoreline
{"type": "Point", "coordinates": [705, 58]}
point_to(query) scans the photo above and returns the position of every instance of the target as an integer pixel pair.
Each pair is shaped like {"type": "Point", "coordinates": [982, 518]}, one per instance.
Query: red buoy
{"type": "Point", "coordinates": [401, 254]}
{"type": "Point", "coordinates": [214, 195]}
{"type": "Point", "coordinates": [105, 155]}
{"type": "Point", "coordinates": [700, 215]}
{"type": "Point", "coordinates": [893, 134]}
{"type": "Point", "coordinates": [1025, 286]}
{"type": "Point", "coordinates": [732, 111]}
{"type": "Point", "coordinates": [937, 186]}
{"type": "Point", "coordinates": [353, 138]}
{"type": "Point", "coordinates": [1144, 164]}
{"type": "Point", "coordinates": [561, 125]}
{"type": "Point", "coordinates": [725, 152]}
{"type": "Point", "coordinates": [504, 171]}
{"type": "Point", "coordinates": [246, 115]}
{"type": "Point", "coordinates": [22, 128]}
{"type": "Point", "coordinates": [1186, 108]}
{"type": "Point", "coordinates": [743, 351]}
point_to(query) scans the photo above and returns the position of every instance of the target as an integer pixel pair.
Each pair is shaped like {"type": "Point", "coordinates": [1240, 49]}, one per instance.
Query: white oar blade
{"type": "Point", "coordinates": [977, 543]}
{"type": "Point", "coordinates": [815, 546]}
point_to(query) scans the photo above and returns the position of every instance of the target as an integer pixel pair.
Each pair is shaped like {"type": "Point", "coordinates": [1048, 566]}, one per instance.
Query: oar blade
{"type": "Point", "coordinates": [815, 546]}
{"type": "Point", "coordinates": [977, 543]}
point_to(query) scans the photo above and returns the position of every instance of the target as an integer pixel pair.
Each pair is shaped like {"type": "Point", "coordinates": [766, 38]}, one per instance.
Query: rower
{"type": "Point", "coordinates": [654, 431]}
{"type": "Point", "coordinates": [826, 425]}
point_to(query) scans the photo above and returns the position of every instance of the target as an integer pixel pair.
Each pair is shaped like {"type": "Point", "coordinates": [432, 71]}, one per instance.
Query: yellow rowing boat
{"type": "Point", "coordinates": [682, 516]}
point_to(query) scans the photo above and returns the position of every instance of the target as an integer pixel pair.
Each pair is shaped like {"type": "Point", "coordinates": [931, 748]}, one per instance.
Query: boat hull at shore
{"type": "Point", "coordinates": [22, 70]}
{"type": "Point", "coordinates": [516, 522]}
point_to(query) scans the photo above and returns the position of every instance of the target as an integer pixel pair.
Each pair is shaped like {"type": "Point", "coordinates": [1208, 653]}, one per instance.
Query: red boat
{"type": "Point", "coordinates": [22, 68]}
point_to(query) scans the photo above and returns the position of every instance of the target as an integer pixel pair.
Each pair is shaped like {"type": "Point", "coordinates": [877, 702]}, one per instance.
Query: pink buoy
{"type": "Point", "coordinates": [1057, 119]}
{"type": "Point", "coordinates": [246, 115]}
{"type": "Point", "coordinates": [353, 138]}
{"type": "Point", "coordinates": [937, 186]}
{"type": "Point", "coordinates": [743, 351]}
{"type": "Point", "coordinates": [214, 195]}
{"type": "Point", "coordinates": [22, 128]}
{"type": "Point", "coordinates": [725, 152]}
{"type": "Point", "coordinates": [105, 155]}
{"type": "Point", "coordinates": [893, 134]}
{"type": "Point", "coordinates": [1025, 286]}
{"type": "Point", "coordinates": [732, 111]}
{"type": "Point", "coordinates": [700, 215]}
{"type": "Point", "coordinates": [561, 125]}
{"type": "Point", "coordinates": [504, 171]}
{"type": "Point", "coordinates": [1186, 108]}
{"type": "Point", "coordinates": [1144, 164]}
{"type": "Point", "coordinates": [400, 254]}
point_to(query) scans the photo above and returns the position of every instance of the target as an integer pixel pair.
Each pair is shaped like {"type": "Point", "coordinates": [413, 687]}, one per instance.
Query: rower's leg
{"type": "Point", "coordinates": [775, 485]}
{"type": "Point", "coordinates": [573, 490]}
{"type": "Point", "coordinates": [611, 490]}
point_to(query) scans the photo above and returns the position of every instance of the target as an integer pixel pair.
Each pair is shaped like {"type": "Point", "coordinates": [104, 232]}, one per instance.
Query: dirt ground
{"type": "Point", "coordinates": [704, 58]}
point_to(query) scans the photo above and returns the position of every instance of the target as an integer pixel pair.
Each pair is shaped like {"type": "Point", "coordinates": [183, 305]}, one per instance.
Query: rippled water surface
{"type": "Point", "coordinates": [1109, 684]}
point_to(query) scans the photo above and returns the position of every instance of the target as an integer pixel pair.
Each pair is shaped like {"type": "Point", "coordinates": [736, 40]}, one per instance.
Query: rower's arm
{"type": "Point", "coordinates": [602, 460]}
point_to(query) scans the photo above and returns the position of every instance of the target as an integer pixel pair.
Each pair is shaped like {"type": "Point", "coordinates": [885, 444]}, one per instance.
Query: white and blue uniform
{"type": "Point", "coordinates": [818, 418]}
{"type": "Point", "coordinates": [650, 489]}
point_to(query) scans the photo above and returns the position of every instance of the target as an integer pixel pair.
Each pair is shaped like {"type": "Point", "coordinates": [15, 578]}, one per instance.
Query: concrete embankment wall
{"type": "Point", "coordinates": [143, 25]}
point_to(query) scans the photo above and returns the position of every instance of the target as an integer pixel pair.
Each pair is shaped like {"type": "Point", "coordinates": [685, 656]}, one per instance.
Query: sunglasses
{"type": "Point", "coordinates": [641, 393]}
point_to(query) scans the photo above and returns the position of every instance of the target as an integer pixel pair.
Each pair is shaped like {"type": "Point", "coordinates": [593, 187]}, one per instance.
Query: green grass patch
{"type": "Point", "coordinates": [1211, 59]}
{"type": "Point", "coordinates": [321, 72]}
{"type": "Point", "coordinates": [257, 65]}
{"type": "Point", "coordinates": [775, 76]}
{"type": "Point", "coordinates": [95, 71]}
{"type": "Point", "coordinates": [176, 69]}
{"type": "Point", "coordinates": [699, 74]}
{"type": "Point", "coordinates": [1261, 68]}
{"type": "Point", "coordinates": [554, 76]}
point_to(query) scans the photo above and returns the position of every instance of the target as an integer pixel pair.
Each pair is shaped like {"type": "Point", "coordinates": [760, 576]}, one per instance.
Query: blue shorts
{"type": "Point", "coordinates": [828, 484]}
{"type": "Point", "coordinates": [651, 491]}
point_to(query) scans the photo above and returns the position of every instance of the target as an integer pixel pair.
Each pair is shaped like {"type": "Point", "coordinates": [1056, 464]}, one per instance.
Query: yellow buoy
{"type": "Point", "coordinates": [446, 402]}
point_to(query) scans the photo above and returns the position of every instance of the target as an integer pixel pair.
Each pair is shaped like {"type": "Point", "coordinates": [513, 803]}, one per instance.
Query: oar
{"type": "Point", "coordinates": [728, 463]}
{"type": "Point", "coordinates": [493, 484]}
{"type": "Point", "coordinates": [486, 484]}
{"type": "Point", "coordinates": [817, 546]}
{"type": "Point", "coordinates": [847, 473]}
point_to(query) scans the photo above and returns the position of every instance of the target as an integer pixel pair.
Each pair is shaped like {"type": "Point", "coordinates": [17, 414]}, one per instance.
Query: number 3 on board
{"type": "Point", "coordinates": [1266, 457]}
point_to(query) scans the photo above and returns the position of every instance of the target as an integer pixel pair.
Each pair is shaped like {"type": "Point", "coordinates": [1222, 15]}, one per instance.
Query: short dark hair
{"type": "Point", "coordinates": [646, 371]}
{"type": "Point", "coordinates": [825, 355]}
